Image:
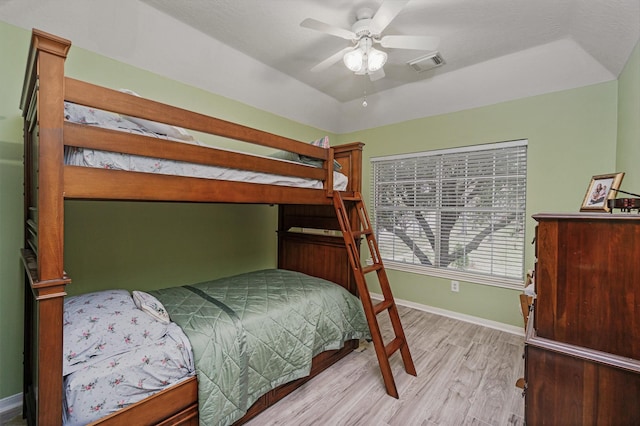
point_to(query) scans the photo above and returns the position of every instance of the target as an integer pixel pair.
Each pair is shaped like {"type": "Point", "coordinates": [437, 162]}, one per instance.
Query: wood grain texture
{"type": "Point", "coordinates": [48, 183]}
{"type": "Point", "coordinates": [582, 355]}
{"type": "Point", "coordinates": [466, 376]}
{"type": "Point", "coordinates": [587, 281]}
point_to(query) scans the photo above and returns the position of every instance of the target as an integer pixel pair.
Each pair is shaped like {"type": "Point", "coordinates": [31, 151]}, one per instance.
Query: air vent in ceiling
{"type": "Point", "coordinates": [427, 62]}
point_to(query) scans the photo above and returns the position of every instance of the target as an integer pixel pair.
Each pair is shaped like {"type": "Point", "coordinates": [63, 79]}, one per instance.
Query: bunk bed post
{"type": "Point", "coordinates": [42, 104]}
{"type": "Point", "coordinates": [350, 158]}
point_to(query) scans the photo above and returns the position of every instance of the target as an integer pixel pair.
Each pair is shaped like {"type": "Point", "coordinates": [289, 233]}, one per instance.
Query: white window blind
{"type": "Point", "coordinates": [456, 213]}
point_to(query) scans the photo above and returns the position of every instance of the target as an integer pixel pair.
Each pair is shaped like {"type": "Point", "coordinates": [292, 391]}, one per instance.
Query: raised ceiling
{"type": "Point", "coordinates": [254, 51]}
{"type": "Point", "coordinates": [471, 31]}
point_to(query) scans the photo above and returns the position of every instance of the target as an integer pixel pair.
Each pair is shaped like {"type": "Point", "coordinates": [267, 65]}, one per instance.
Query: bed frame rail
{"type": "Point", "coordinates": [125, 104]}
{"type": "Point", "coordinates": [94, 96]}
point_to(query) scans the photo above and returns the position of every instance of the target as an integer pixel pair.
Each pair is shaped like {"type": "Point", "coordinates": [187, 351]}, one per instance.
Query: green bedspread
{"type": "Point", "coordinates": [253, 332]}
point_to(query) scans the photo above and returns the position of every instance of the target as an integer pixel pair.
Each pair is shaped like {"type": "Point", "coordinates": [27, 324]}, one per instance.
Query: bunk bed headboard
{"type": "Point", "coordinates": [316, 247]}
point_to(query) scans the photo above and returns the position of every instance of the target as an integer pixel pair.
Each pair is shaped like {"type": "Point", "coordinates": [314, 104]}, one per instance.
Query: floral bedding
{"type": "Point", "coordinates": [116, 354]}
{"type": "Point", "coordinates": [112, 160]}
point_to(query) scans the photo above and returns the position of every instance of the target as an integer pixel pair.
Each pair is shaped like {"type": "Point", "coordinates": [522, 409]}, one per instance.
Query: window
{"type": "Point", "coordinates": [455, 213]}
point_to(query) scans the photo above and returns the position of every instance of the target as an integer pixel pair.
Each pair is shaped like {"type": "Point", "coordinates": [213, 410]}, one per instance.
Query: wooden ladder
{"type": "Point", "coordinates": [371, 311]}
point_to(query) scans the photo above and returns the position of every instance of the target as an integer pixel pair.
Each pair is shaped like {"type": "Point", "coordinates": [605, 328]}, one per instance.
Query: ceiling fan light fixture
{"type": "Point", "coordinates": [354, 60]}
{"type": "Point", "coordinates": [376, 59]}
{"type": "Point", "coordinates": [361, 58]}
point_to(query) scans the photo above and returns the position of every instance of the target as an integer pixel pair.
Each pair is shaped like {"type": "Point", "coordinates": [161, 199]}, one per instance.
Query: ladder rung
{"type": "Point", "coordinates": [350, 198]}
{"type": "Point", "coordinates": [371, 268]}
{"type": "Point", "coordinates": [361, 233]}
{"type": "Point", "coordinates": [385, 304]}
{"type": "Point", "coordinates": [393, 346]}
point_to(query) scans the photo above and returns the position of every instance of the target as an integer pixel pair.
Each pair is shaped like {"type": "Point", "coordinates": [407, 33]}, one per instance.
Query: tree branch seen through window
{"type": "Point", "coordinates": [459, 209]}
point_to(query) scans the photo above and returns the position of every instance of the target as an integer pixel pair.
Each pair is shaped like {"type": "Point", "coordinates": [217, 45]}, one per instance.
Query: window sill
{"type": "Point", "coordinates": [454, 275]}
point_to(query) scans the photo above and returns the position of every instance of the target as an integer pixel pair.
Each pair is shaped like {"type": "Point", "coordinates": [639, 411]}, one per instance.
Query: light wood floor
{"type": "Point", "coordinates": [466, 376]}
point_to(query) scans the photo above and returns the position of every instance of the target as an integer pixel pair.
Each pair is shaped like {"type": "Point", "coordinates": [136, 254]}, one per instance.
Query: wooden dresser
{"type": "Point", "coordinates": [582, 348]}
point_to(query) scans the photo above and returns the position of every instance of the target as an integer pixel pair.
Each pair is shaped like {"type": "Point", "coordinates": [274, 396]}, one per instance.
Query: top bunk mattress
{"type": "Point", "coordinates": [84, 157]}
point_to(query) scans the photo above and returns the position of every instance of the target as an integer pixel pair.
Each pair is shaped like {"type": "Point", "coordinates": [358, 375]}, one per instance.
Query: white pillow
{"type": "Point", "coordinates": [149, 304]}
{"type": "Point", "coordinates": [159, 128]}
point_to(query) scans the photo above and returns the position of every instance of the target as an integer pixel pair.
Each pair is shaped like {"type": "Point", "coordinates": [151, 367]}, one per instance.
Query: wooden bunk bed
{"type": "Point", "coordinates": [49, 182]}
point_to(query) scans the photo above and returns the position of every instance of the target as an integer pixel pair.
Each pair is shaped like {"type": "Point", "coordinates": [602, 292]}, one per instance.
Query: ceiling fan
{"type": "Point", "coordinates": [361, 57]}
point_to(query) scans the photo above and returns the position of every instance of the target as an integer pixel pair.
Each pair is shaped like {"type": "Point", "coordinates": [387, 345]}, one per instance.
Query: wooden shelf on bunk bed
{"type": "Point", "coordinates": [48, 182]}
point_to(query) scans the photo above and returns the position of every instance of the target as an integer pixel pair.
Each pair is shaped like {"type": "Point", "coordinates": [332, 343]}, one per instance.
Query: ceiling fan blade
{"type": "Point", "coordinates": [336, 57]}
{"type": "Point", "coordinates": [410, 42]}
{"type": "Point", "coordinates": [328, 29]}
{"type": "Point", "coordinates": [387, 12]}
{"type": "Point", "coordinates": [376, 75]}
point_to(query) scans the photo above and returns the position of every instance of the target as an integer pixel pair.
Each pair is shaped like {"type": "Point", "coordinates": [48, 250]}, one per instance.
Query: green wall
{"type": "Point", "coordinates": [572, 136]}
{"type": "Point", "coordinates": [11, 287]}
{"type": "Point", "coordinates": [629, 123]}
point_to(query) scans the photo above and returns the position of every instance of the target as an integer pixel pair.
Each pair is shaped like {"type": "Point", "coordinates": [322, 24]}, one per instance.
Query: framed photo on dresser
{"type": "Point", "coordinates": [600, 190]}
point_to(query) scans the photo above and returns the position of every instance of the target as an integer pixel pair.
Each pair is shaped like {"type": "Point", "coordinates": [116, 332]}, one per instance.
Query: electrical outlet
{"type": "Point", "coordinates": [455, 286]}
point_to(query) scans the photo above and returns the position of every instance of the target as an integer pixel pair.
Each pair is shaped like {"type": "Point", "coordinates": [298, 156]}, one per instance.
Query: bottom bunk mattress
{"type": "Point", "coordinates": [116, 353]}
{"type": "Point", "coordinates": [253, 332]}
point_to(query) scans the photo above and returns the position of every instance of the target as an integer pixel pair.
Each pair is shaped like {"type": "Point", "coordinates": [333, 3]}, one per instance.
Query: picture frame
{"type": "Point", "coordinates": [600, 190]}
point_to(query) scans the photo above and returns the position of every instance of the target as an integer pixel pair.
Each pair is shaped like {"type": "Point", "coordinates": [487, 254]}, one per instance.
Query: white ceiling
{"type": "Point", "coordinates": [256, 52]}
{"type": "Point", "coordinates": [471, 31]}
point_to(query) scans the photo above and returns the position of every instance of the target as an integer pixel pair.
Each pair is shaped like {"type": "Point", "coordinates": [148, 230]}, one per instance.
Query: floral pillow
{"type": "Point", "coordinates": [323, 142]}
{"type": "Point", "coordinates": [102, 324]}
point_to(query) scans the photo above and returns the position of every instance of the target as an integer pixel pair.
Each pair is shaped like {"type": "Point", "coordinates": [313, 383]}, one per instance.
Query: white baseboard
{"type": "Point", "coordinates": [10, 407]}
{"type": "Point", "coordinates": [456, 315]}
